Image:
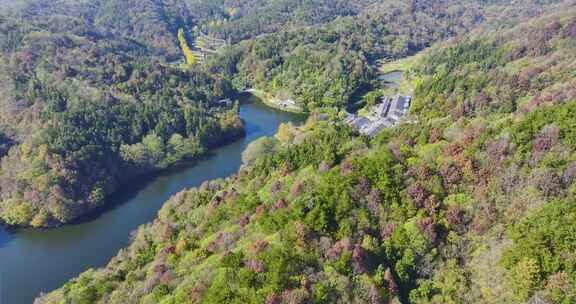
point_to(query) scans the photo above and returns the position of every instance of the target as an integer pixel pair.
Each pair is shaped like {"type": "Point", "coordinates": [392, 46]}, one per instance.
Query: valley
{"type": "Point", "coordinates": [287, 151]}
{"type": "Point", "coordinates": [34, 261]}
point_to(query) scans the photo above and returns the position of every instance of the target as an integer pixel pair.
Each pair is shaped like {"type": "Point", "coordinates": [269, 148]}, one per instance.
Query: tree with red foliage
{"type": "Point", "coordinates": [244, 220]}
{"type": "Point", "coordinates": [324, 167]}
{"type": "Point", "coordinates": [301, 232]}
{"type": "Point", "coordinates": [387, 230]}
{"type": "Point", "coordinates": [547, 138]}
{"type": "Point", "coordinates": [451, 174]}
{"type": "Point", "coordinates": [364, 185]}
{"type": "Point", "coordinates": [569, 174]}
{"type": "Point", "coordinates": [427, 226]}
{"type": "Point", "coordinates": [395, 149]}
{"type": "Point", "coordinates": [255, 265]}
{"type": "Point", "coordinates": [280, 204]}
{"type": "Point", "coordinates": [167, 277]}
{"type": "Point", "coordinates": [435, 135]}
{"type": "Point", "coordinates": [374, 201]}
{"type": "Point", "coordinates": [273, 299]}
{"type": "Point", "coordinates": [418, 194]}
{"type": "Point", "coordinates": [259, 246]}
{"type": "Point", "coordinates": [547, 181]}
{"type": "Point", "coordinates": [454, 215]}
{"type": "Point", "coordinates": [358, 259]}
{"type": "Point", "coordinates": [483, 220]}
{"type": "Point", "coordinates": [297, 188]}
{"type": "Point", "coordinates": [390, 282]}
{"type": "Point", "coordinates": [260, 209]}
{"type": "Point", "coordinates": [431, 204]}
{"type": "Point", "coordinates": [453, 149]}
{"type": "Point", "coordinates": [338, 248]}
{"type": "Point", "coordinates": [276, 187]}
{"type": "Point", "coordinates": [346, 167]}
{"type": "Point", "coordinates": [374, 293]}
{"type": "Point", "coordinates": [569, 30]}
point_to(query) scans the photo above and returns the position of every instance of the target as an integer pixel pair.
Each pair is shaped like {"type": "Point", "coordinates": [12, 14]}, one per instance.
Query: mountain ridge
{"type": "Point", "coordinates": [473, 202]}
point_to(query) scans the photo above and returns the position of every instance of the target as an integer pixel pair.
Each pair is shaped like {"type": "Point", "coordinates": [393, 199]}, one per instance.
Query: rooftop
{"type": "Point", "coordinates": [384, 115]}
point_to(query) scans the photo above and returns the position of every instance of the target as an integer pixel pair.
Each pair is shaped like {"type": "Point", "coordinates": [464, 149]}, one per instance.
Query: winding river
{"type": "Point", "coordinates": [34, 261]}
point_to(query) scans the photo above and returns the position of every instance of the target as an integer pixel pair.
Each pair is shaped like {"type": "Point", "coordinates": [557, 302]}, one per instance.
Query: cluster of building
{"type": "Point", "coordinates": [205, 45]}
{"type": "Point", "coordinates": [384, 115]}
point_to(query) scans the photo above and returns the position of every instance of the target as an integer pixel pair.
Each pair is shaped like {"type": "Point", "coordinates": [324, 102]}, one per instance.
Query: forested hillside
{"type": "Point", "coordinates": [84, 111]}
{"type": "Point", "coordinates": [150, 23]}
{"type": "Point", "coordinates": [472, 202]}
{"type": "Point", "coordinates": [243, 19]}
{"type": "Point", "coordinates": [328, 65]}
{"type": "Point", "coordinates": [92, 94]}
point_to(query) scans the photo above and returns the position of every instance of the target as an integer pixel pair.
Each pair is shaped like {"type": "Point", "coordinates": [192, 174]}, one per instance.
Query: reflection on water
{"type": "Point", "coordinates": [6, 234]}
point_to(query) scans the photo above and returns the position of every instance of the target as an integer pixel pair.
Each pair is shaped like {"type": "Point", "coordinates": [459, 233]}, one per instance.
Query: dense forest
{"type": "Point", "coordinates": [84, 111]}
{"type": "Point", "coordinates": [330, 64]}
{"type": "Point", "coordinates": [90, 89]}
{"type": "Point", "coordinates": [474, 201]}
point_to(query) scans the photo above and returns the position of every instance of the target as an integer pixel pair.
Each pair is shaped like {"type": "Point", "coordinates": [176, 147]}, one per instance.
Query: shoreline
{"type": "Point", "coordinates": [92, 241]}
{"type": "Point", "coordinates": [265, 98]}
{"type": "Point", "coordinates": [97, 210]}
{"type": "Point", "coordinates": [93, 212]}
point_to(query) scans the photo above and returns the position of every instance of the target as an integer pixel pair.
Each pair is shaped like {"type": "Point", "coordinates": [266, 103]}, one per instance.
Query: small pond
{"type": "Point", "coordinates": [392, 79]}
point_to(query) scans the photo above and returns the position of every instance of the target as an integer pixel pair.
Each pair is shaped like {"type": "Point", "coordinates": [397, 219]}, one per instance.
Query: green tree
{"type": "Point", "coordinates": [259, 147]}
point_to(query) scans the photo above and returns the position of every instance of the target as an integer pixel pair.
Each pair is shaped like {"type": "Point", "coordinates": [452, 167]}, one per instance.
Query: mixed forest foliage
{"type": "Point", "coordinates": [89, 89]}
{"type": "Point", "coordinates": [330, 64]}
{"type": "Point", "coordinates": [472, 202]}
{"type": "Point", "coordinates": [82, 112]}
{"type": "Point", "coordinates": [148, 22]}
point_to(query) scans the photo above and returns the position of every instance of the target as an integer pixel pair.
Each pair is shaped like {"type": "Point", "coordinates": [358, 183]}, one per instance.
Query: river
{"type": "Point", "coordinates": [34, 261]}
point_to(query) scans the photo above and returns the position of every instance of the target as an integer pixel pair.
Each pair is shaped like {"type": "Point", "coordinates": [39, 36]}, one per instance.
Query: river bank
{"type": "Point", "coordinates": [132, 170]}
{"type": "Point", "coordinates": [287, 105]}
{"type": "Point", "coordinates": [39, 260]}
